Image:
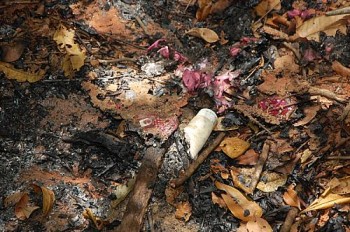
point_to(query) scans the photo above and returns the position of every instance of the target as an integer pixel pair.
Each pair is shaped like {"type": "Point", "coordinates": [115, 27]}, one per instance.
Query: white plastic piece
{"type": "Point", "coordinates": [198, 130]}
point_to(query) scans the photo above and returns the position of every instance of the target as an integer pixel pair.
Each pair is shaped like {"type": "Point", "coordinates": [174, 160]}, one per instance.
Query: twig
{"type": "Point", "coordinates": [82, 42]}
{"type": "Point", "coordinates": [288, 222]}
{"type": "Point", "coordinates": [144, 28]}
{"type": "Point", "coordinates": [345, 112]}
{"type": "Point", "coordinates": [150, 221]}
{"type": "Point", "coordinates": [21, 2]}
{"type": "Point", "coordinates": [345, 10]}
{"type": "Point", "coordinates": [64, 80]}
{"type": "Point", "coordinates": [193, 166]}
{"type": "Point", "coordinates": [326, 93]}
{"type": "Point", "coordinates": [338, 157]}
{"type": "Point", "coordinates": [188, 4]}
{"type": "Point", "coordinates": [117, 60]}
{"type": "Point", "coordinates": [259, 166]}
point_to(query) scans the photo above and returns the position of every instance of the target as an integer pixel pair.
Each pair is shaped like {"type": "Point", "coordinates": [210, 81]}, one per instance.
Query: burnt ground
{"type": "Point", "coordinates": [76, 130]}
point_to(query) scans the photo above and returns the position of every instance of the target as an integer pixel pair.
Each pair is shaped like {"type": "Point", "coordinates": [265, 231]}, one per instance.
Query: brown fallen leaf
{"type": "Point", "coordinates": [183, 211]}
{"type": "Point", "coordinates": [204, 8]}
{"type": "Point", "coordinates": [340, 186]}
{"type": "Point", "coordinates": [234, 146]}
{"type": "Point", "coordinates": [13, 198]}
{"type": "Point", "coordinates": [340, 69]}
{"type": "Point", "coordinates": [206, 34]}
{"type": "Point", "coordinates": [327, 201]}
{"type": "Point", "coordinates": [22, 209]}
{"type": "Point", "coordinates": [240, 206]}
{"type": "Point", "coordinates": [207, 7]}
{"type": "Point", "coordinates": [172, 193]}
{"type": "Point", "coordinates": [19, 75]}
{"type": "Point", "coordinates": [48, 198]}
{"type": "Point", "coordinates": [257, 225]}
{"type": "Point", "coordinates": [12, 52]}
{"type": "Point", "coordinates": [270, 181]}
{"type": "Point", "coordinates": [74, 56]}
{"type": "Point", "coordinates": [267, 5]}
{"type": "Point", "coordinates": [218, 200]}
{"type": "Point", "coordinates": [220, 127]}
{"type": "Point", "coordinates": [88, 214]}
{"type": "Point", "coordinates": [311, 28]}
{"type": "Point", "coordinates": [250, 157]}
{"type": "Point", "coordinates": [291, 197]}
{"type": "Point", "coordinates": [310, 112]}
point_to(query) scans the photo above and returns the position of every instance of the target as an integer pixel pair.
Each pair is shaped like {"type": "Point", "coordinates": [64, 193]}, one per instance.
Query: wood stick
{"type": "Point", "coordinates": [288, 222]}
{"type": "Point", "coordinates": [193, 166]}
{"type": "Point", "coordinates": [140, 195]}
{"type": "Point", "coordinates": [345, 112]}
{"type": "Point", "coordinates": [326, 93]}
{"type": "Point", "coordinates": [259, 166]}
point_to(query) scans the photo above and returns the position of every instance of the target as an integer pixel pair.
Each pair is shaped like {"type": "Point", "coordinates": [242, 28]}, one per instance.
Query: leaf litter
{"type": "Point", "coordinates": [276, 81]}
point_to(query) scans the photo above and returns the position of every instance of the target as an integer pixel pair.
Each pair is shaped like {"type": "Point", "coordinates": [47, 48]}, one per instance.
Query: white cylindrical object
{"type": "Point", "coordinates": [199, 129]}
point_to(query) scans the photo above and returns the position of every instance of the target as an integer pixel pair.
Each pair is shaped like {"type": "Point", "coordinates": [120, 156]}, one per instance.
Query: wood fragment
{"type": "Point", "coordinates": [193, 166]}
{"type": "Point", "coordinates": [117, 60]}
{"type": "Point", "coordinates": [140, 195]}
{"type": "Point", "coordinates": [345, 112]}
{"type": "Point", "coordinates": [245, 112]}
{"type": "Point", "coordinates": [288, 222]}
{"type": "Point", "coordinates": [142, 25]}
{"type": "Point", "coordinates": [326, 93]}
{"type": "Point", "coordinates": [259, 166]}
{"type": "Point", "coordinates": [345, 10]}
{"type": "Point", "coordinates": [338, 157]}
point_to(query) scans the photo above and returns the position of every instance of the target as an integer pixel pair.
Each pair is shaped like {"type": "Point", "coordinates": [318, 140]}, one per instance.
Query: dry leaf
{"type": "Point", "coordinates": [291, 197]}
{"type": "Point", "coordinates": [206, 7]}
{"type": "Point", "coordinates": [270, 181]}
{"type": "Point", "coordinates": [239, 205]}
{"type": "Point", "coordinates": [258, 225]}
{"type": "Point", "coordinates": [183, 211]}
{"type": "Point", "coordinates": [22, 209]}
{"type": "Point", "coordinates": [286, 64]}
{"type": "Point", "coordinates": [220, 127]}
{"type": "Point", "coordinates": [75, 57]}
{"type": "Point", "coordinates": [310, 112]}
{"type": "Point", "coordinates": [340, 186]}
{"type": "Point", "coordinates": [220, 6]}
{"type": "Point", "coordinates": [88, 214]}
{"type": "Point", "coordinates": [242, 178]}
{"type": "Point", "coordinates": [340, 69]}
{"type": "Point", "coordinates": [305, 155]}
{"type": "Point", "coordinates": [311, 28]}
{"type": "Point", "coordinates": [266, 5]}
{"type": "Point", "coordinates": [327, 201]}
{"type": "Point", "coordinates": [48, 198]}
{"type": "Point", "coordinates": [19, 75]}
{"type": "Point", "coordinates": [218, 200]}
{"type": "Point", "coordinates": [13, 199]}
{"type": "Point", "coordinates": [234, 146]}
{"type": "Point", "coordinates": [172, 193]}
{"type": "Point", "coordinates": [208, 35]}
{"type": "Point", "coordinates": [250, 157]}
{"type": "Point", "coordinates": [12, 52]}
